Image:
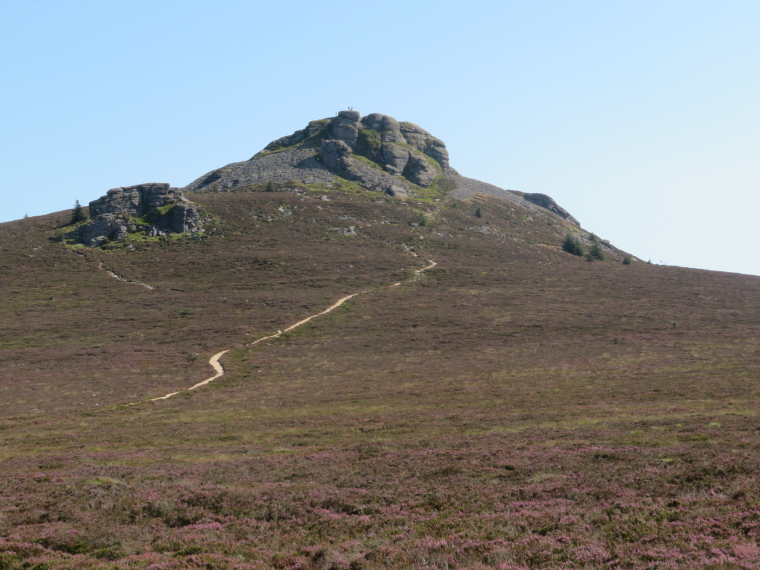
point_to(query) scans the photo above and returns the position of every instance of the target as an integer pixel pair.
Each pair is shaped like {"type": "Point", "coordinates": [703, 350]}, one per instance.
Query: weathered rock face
{"type": "Point", "coordinates": [105, 228]}
{"type": "Point", "coordinates": [154, 209]}
{"type": "Point", "coordinates": [547, 202]}
{"type": "Point", "coordinates": [400, 157]}
{"type": "Point", "coordinates": [345, 127]}
{"type": "Point", "coordinates": [419, 170]}
{"type": "Point", "coordinates": [376, 151]}
{"type": "Point", "coordinates": [336, 155]}
{"type": "Point", "coordinates": [402, 150]}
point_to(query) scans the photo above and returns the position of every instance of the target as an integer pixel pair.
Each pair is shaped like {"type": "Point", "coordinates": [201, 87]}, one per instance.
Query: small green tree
{"type": "Point", "coordinates": [627, 260]}
{"type": "Point", "coordinates": [572, 245]}
{"type": "Point", "coordinates": [271, 187]}
{"type": "Point", "coordinates": [77, 214]}
{"type": "Point", "coordinates": [595, 253]}
{"type": "Point", "coordinates": [478, 213]}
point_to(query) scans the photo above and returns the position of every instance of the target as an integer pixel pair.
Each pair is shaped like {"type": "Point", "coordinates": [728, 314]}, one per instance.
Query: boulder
{"type": "Point", "coordinates": [398, 191]}
{"type": "Point", "coordinates": [427, 143]}
{"type": "Point", "coordinates": [388, 127]}
{"type": "Point", "coordinates": [435, 148]}
{"type": "Point", "coordinates": [373, 121]}
{"type": "Point", "coordinates": [419, 170]}
{"type": "Point", "coordinates": [414, 135]}
{"type": "Point", "coordinates": [334, 155]}
{"type": "Point", "coordinates": [351, 115]}
{"type": "Point", "coordinates": [345, 129]}
{"type": "Point", "coordinates": [394, 157]}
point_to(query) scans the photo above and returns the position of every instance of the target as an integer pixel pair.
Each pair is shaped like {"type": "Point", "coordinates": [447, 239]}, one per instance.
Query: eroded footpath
{"type": "Point", "coordinates": [219, 369]}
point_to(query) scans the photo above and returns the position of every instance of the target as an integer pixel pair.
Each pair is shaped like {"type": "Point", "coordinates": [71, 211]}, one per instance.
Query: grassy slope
{"type": "Point", "coordinates": [514, 406]}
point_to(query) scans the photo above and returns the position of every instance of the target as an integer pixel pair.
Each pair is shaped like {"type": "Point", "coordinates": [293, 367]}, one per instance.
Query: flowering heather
{"type": "Point", "coordinates": [514, 407]}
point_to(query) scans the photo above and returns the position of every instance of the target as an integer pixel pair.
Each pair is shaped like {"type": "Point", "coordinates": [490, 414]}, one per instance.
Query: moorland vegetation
{"type": "Point", "coordinates": [514, 406]}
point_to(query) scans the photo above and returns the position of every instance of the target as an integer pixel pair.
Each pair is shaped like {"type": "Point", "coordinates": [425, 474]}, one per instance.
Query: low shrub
{"type": "Point", "coordinates": [573, 245]}
{"type": "Point", "coordinates": [595, 253]}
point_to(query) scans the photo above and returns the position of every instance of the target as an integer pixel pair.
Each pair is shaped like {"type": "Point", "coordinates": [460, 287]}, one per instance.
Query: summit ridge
{"type": "Point", "coordinates": [377, 151]}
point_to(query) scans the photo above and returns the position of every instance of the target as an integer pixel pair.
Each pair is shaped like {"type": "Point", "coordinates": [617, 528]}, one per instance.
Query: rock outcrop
{"type": "Point", "coordinates": [153, 209]}
{"type": "Point", "coordinates": [376, 151]}
{"type": "Point", "coordinates": [547, 202]}
{"type": "Point", "coordinates": [337, 156]}
{"type": "Point", "coordinates": [399, 149]}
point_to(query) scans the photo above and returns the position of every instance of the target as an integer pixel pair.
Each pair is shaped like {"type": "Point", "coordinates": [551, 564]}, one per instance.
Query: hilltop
{"type": "Point", "coordinates": [375, 153]}
{"type": "Point", "coordinates": [513, 406]}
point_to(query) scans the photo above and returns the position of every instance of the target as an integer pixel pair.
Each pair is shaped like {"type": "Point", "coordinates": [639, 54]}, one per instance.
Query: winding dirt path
{"type": "Point", "coordinates": [432, 264]}
{"type": "Point", "coordinates": [306, 320]}
{"type": "Point", "coordinates": [123, 279]}
{"type": "Point", "coordinates": [219, 369]}
{"type": "Point", "coordinates": [114, 274]}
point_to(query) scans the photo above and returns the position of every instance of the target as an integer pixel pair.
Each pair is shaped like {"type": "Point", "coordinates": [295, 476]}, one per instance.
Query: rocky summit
{"type": "Point", "coordinates": [375, 152]}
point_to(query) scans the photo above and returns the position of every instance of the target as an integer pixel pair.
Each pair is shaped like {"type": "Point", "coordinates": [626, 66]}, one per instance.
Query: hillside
{"type": "Point", "coordinates": [514, 406]}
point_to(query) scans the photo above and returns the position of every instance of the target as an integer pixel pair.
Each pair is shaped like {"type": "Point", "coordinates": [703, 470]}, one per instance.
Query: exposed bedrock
{"type": "Point", "coordinates": [154, 209]}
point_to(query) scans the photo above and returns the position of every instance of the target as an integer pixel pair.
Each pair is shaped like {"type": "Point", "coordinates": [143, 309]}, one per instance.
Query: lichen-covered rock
{"type": "Point", "coordinates": [155, 209]}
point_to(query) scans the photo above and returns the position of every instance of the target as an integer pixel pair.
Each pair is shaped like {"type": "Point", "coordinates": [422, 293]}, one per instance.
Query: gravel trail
{"type": "Point", "coordinates": [219, 369]}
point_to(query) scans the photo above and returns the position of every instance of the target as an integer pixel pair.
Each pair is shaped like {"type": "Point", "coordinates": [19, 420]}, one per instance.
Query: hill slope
{"type": "Point", "coordinates": [514, 406]}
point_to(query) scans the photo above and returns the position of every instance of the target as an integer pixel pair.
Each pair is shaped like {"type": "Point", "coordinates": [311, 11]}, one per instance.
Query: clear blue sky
{"type": "Point", "coordinates": [642, 118]}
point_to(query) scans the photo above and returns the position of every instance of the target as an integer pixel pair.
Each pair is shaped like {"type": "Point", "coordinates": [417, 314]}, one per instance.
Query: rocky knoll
{"type": "Point", "coordinates": [377, 151]}
{"type": "Point", "coordinates": [153, 209]}
{"type": "Point", "coordinates": [401, 149]}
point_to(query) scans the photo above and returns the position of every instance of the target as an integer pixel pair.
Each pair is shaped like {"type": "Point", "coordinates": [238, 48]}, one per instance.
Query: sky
{"type": "Point", "coordinates": [641, 118]}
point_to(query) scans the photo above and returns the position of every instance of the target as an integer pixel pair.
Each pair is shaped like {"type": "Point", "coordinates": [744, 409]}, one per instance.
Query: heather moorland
{"type": "Point", "coordinates": [515, 406]}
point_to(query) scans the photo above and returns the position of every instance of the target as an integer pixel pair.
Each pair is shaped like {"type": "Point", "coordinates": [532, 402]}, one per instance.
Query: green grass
{"type": "Point", "coordinates": [368, 162]}
{"type": "Point", "coordinates": [163, 210]}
